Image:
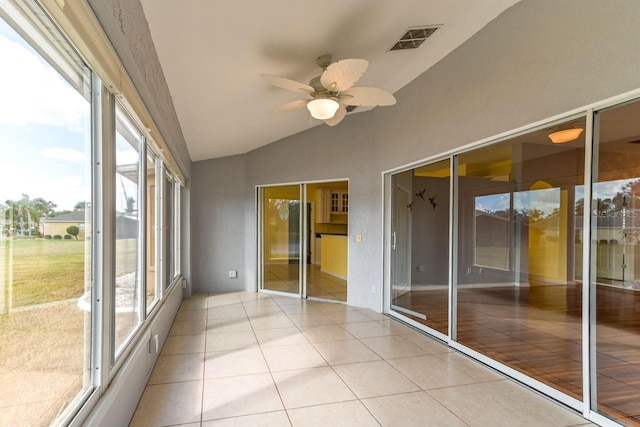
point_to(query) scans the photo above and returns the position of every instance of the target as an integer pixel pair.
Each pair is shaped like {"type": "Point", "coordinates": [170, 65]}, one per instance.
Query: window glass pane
{"type": "Point", "coordinates": [151, 212]}
{"type": "Point", "coordinates": [492, 230]}
{"type": "Point", "coordinates": [45, 229]}
{"type": "Point", "coordinates": [176, 228]}
{"type": "Point", "coordinates": [168, 230]}
{"type": "Point", "coordinates": [127, 219]}
{"type": "Point", "coordinates": [615, 281]}
{"type": "Point", "coordinates": [518, 298]}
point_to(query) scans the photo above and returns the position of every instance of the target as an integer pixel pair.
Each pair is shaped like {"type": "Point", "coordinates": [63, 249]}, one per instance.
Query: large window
{"type": "Point", "coordinates": [46, 254]}
{"type": "Point", "coordinates": [80, 208]}
{"type": "Point", "coordinates": [169, 229]}
{"type": "Point", "coordinates": [128, 278]}
{"type": "Point", "coordinates": [493, 214]}
{"type": "Point", "coordinates": [152, 279]}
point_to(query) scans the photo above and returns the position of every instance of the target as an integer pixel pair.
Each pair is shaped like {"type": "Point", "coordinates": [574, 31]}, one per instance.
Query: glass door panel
{"type": "Point", "coordinates": [327, 241]}
{"type": "Point", "coordinates": [518, 300]}
{"type": "Point", "coordinates": [420, 245]}
{"type": "Point", "coordinates": [281, 238]}
{"type": "Point", "coordinates": [615, 274]}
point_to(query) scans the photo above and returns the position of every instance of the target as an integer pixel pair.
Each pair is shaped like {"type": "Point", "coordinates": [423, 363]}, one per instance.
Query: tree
{"type": "Point", "coordinates": [80, 206]}
{"type": "Point", "coordinates": [131, 205]}
{"type": "Point", "coordinates": [18, 213]}
{"type": "Point", "coordinates": [42, 208]}
{"type": "Point", "coordinates": [25, 214]}
{"type": "Point", "coordinates": [73, 230]}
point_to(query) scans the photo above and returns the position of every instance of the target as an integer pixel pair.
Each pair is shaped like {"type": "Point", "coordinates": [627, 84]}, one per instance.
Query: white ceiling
{"type": "Point", "coordinates": [212, 53]}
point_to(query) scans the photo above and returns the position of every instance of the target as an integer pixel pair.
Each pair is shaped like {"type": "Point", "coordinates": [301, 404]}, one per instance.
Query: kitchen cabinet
{"type": "Point", "coordinates": [332, 202]}
{"type": "Point", "coordinates": [339, 201]}
{"type": "Point", "coordinates": [323, 206]}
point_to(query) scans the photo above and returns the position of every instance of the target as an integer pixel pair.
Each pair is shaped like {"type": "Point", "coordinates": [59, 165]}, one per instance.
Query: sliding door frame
{"type": "Point", "coordinates": [304, 242]}
{"type": "Point", "coordinates": [587, 405]}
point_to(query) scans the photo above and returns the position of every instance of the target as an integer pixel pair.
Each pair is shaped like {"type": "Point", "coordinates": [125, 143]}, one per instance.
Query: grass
{"type": "Point", "coordinates": [40, 271]}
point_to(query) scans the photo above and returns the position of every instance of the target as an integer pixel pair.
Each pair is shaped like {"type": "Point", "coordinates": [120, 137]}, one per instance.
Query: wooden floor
{"type": "Point", "coordinates": [537, 330]}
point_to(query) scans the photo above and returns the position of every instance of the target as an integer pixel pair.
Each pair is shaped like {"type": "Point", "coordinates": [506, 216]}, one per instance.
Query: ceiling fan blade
{"type": "Point", "coordinates": [338, 116]}
{"type": "Point", "coordinates": [291, 106]}
{"type": "Point", "coordinates": [342, 75]}
{"type": "Point", "coordinates": [367, 96]}
{"type": "Point", "coordinates": [287, 84]}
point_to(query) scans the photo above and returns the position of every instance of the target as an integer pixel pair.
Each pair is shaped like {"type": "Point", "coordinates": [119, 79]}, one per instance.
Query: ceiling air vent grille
{"type": "Point", "coordinates": [414, 37]}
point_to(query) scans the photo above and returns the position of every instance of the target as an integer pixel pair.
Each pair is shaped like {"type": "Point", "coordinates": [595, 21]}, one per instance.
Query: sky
{"type": "Point", "coordinates": [545, 200]}
{"type": "Point", "coordinates": [45, 131]}
{"type": "Point", "coordinates": [43, 128]}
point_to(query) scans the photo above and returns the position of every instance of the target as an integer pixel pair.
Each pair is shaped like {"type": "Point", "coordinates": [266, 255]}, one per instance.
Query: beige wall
{"type": "Point", "coordinates": [60, 228]}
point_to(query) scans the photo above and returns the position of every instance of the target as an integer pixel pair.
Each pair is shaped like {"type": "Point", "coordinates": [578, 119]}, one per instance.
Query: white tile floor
{"type": "Point", "coordinates": [248, 359]}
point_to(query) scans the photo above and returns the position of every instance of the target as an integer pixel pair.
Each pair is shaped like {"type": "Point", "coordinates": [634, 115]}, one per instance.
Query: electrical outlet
{"type": "Point", "coordinates": [359, 238]}
{"type": "Point", "coordinates": [233, 274]}
{"type": "Point", "coordinates": [420, 269]}
{"type": "Point", "coordinates": [373, 289]}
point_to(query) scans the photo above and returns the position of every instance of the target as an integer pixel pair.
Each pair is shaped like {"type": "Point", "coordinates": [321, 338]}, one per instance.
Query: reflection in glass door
{"type": "Point", "coordinates": [615, 264]}
{"type": "Point", "coordinates": [281, 238]}
{"type": "Point", "coordinates": [420, 245]}
{"type": "Point", "coordinates": [518, 300]}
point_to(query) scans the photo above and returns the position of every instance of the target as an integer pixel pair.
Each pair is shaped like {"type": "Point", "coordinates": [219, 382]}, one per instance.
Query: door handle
{"type": "Point", "coordinates": [393, 245]}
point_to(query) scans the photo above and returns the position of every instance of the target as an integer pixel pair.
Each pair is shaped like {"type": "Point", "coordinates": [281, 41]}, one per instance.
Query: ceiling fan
{"type": "Point", "coordinates": [333, 90]}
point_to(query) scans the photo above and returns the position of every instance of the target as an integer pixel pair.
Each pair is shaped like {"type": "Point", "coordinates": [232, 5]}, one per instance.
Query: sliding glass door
{"type": "Point", "coordinates": [281, 244]}
{"type": "Point", "coordinates": [518, 299]}
{"type": "Point", "coordinates": [615, 265]}
{"type": "Point", "coordinates": [420, 245]}
{"type": "Point", "coordinates": [535, 216]}
{"type": "Point", "coordinates": [303, 239]}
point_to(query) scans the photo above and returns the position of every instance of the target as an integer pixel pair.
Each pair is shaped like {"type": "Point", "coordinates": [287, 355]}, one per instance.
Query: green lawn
{"type": "Point", "coordinates": [37, 271]}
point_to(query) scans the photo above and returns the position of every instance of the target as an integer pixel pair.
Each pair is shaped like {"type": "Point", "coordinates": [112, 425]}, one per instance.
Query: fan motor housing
{"type": "Point", "coordinates": [316, 85]}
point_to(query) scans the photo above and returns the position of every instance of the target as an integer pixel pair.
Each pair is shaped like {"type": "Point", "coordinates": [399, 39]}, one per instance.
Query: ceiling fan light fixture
{"type": "Point", "coordinates": [323, 108]}
{"type": "Point", "coordinates": [566, 135]}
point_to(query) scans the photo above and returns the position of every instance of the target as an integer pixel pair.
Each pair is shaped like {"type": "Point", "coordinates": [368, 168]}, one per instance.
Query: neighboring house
{"type": "Point", "coordinates": [58, 225]}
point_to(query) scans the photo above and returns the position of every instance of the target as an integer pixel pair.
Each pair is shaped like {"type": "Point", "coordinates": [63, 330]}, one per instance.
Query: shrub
{"type": "Point", "coordinates": [67, 237]}
{"type": "Point", "coordinates": [57, 237]}
{"type": "Point", "coordinates": [73, 230]}
{"type": "Point", "coordinates": [47, 236]}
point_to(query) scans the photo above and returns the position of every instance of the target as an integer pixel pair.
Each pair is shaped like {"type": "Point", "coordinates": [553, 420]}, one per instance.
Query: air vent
{"type": "Point", "coordinates": [414, 37]}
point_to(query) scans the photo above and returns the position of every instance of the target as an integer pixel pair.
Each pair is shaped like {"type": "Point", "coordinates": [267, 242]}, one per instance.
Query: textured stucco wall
{"type": "Point", "coordinates": [537, 59]}
{"type": "Point", "coordinates": [217, 224]}
{"type": "Point", "coordinates": [126, 26]}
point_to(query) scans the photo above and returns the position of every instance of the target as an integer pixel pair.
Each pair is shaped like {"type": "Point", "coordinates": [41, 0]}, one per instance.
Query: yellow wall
{"type": "Point", "coordinates": [334, 256]}
{"type": "Point", "coordinates": [60, 228]}
{"type": "Point", "coordinates": [547, 251]}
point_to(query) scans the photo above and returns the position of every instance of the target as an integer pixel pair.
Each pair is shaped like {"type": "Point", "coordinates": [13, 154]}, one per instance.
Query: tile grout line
{"type": "Point", "coordinates": [275, 384]}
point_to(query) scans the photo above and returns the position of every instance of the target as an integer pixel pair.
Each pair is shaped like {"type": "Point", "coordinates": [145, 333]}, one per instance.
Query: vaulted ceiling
{"type": "Point", "coordinates": [213, 52]}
